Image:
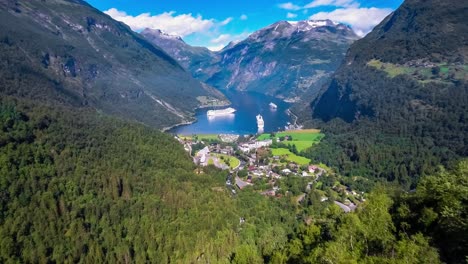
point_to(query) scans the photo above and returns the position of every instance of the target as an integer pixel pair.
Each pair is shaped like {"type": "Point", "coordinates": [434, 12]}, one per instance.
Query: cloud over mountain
{"type": "Point", "coordinates": [354, 17]}
{"type": "Point", "coordinates": [181, 25]}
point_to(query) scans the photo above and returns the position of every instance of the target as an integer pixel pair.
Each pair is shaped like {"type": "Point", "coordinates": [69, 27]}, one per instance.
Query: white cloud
{"type": "Point", "coordinates": [181, 25]}
{"type": "Point", "coordinates": [291, 15]}
{"type": "Point", "coordinates": [289, 6]}
{"type": "Point", "coordinates": [338, 3]}
{"type": "Point", "coordinates": [362, 20]}
{"type": "Point", "coordinates": [226, 21]}
{"type": "Point", "coordinates": [216, 48]}
{"type": "Point", "coordinates": [222, 38]}
{"type": "Point", "coordinates": [244, 17]}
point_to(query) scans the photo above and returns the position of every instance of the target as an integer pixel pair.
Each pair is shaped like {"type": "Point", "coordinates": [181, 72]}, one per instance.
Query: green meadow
{"type": "Point", "coordinates": [288, 155]}
{"type": "Point", "coordinates": [302, 139]}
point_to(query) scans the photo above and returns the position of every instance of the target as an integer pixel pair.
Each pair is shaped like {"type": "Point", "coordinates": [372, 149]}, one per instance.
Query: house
{"type": "Point", "coordinates": [241, 184]}
{"type": "Point", "coordinates": [203, 159]}
{"type": "Point", "coordinates": [305, 174]}
{"type": "Point", "coordinates": [246, 147]}
{"type": "Point", "coordinates": [312, 168]}
{"type": "Point", "coordinates": [286, 171]}
{"type": "Point", "coordinates": [275, 175]}
{"type": "Point", "coordinates": [257, 173]}
{"type": "Point", "coordinates": [204, 151]}
{"type": "Point", "coordinates": [346, 208]}
{"type": "Point", "coordinates": [263, 143]}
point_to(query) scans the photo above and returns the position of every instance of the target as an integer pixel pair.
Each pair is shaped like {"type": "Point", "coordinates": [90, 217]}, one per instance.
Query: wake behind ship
{"type": "Point", "coordinates": [220, 112]}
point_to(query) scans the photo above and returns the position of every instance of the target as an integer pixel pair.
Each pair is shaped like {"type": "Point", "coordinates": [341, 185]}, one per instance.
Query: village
{"type": "Point", "coordinates": [270, 164]}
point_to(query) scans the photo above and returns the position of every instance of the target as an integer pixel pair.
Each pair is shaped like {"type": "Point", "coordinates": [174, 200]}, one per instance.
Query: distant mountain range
{"type": "Point", "coordinates": [70, 53]}
{"type": "Point", "coordinates": [288, 60]}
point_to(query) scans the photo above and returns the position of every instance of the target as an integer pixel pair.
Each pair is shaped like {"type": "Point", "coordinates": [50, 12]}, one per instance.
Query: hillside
{"type": "Point", "coordinates": [288, 60]}
{"type": "Point", "coordinates": [77, 186]}
{"type": "Point", "coordinates": [194, 59]}
{"type": "Point", "coordinates": [67, 52]}
{"type": "Point", "coordinates": [402, 92]}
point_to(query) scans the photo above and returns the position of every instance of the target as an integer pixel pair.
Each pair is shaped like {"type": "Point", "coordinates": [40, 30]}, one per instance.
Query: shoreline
{"type": "Point", "coordinates": [166, 129]}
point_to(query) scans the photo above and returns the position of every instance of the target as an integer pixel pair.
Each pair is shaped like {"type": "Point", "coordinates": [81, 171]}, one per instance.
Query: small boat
{"type": "Point", "coordinates": [273, 106]}
{"type": "Point", "coordinates": [260, 122]}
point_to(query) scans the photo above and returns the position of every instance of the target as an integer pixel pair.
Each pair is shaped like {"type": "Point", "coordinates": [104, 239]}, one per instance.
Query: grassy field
{"type": "Point", "coordinates": [423, 74]}
{"type": "Point", "coordinates": [303, 139]}
{"type": "Point", "coordinates": [233, 161]}
{"type": "Point", "coordinates": [290, 156]}
{"type": "Point", "coordinates": [200, 137]}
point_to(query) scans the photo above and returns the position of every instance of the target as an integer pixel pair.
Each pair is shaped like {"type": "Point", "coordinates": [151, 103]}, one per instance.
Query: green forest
{"type": "Point", "coordinates": [77, 186]}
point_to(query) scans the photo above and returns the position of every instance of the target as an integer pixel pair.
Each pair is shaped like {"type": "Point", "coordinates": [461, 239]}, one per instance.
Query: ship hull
{"type": "Point", "coordinates": [221, 112]}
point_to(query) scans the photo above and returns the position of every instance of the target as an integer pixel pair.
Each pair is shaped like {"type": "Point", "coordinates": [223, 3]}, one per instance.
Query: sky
{"type": "Point", "coordinates": [213, 24]}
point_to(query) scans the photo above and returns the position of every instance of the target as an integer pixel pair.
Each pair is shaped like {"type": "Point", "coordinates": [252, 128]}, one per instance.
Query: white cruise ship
{"type": "Point", "coordinates": [219, 112]}
{"type": "Point", "coordinates": [273, 106]}
{"type": "Point", "coordinates": [260, 122]}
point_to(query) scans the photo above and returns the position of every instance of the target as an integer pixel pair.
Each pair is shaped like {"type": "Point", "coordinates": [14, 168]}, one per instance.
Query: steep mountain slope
{"type": "Point", "coordinates": [191, 58]}
{"type": "Point", "coordinates": [404, 90]}
{"type": "Point", "coordinates": [287, 59]}
{"type": "Point", "coordinates": [65, 51]}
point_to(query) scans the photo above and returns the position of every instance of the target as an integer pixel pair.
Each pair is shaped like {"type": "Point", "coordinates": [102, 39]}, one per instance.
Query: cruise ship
{"type": "Point", "coordinates": [220, 112]}
{"type": "Point", "coordinates": [273, 106]}
{"type": "Point", "coordinates": [260, 122]}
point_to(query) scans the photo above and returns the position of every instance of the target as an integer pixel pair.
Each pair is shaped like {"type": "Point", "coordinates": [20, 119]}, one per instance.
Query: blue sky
{"type": "Point", "coordinates": [214, 24]}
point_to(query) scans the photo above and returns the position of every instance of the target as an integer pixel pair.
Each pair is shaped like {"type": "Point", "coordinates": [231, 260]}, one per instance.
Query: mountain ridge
{"type": "Point", "coordinates": [270, 60]}
{"type": "Point", "coordinates": [74, 54]}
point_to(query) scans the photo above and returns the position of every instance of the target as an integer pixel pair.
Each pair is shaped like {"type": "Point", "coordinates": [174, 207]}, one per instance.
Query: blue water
{"type": "Point", "coordinates": [243, 121]}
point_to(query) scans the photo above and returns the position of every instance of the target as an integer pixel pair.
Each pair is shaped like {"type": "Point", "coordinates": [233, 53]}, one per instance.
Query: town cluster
{"type": "Point", "coordinates": [251, 163]}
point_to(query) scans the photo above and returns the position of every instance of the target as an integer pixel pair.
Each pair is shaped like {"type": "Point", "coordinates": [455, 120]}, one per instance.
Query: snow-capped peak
{"type": "Point", "coordinates": [318, 23]}
{"type": "Point", "coordinates": [163, 34]}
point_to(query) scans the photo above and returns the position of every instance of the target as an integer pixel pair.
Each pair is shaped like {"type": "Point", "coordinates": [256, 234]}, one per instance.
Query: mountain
{"type": "Point", "coordinates": [67, 52]}
{"type": "Point", "coordinates": [402, 92]}
{"type": "Point", "coordinates": [286, 59]}
{"type": "Point", "coordinates": [191, 58]}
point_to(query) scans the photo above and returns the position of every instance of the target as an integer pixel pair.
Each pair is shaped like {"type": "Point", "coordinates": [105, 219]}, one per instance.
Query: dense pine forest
{"type": "Point", "coordinates": [78, 186]}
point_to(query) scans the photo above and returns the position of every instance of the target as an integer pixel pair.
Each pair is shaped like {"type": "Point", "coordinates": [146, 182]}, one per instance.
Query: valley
{"type": "Point", "coordinates": [243, 132]}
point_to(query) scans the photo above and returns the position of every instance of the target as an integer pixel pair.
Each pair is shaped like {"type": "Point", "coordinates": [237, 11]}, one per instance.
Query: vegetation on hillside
{"type": "Point", "coordinates": [397, 108]}
{"type": "Point", "coordinates": [81, 187]}
{"type": "Point", "coordinates": [67, 52]}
